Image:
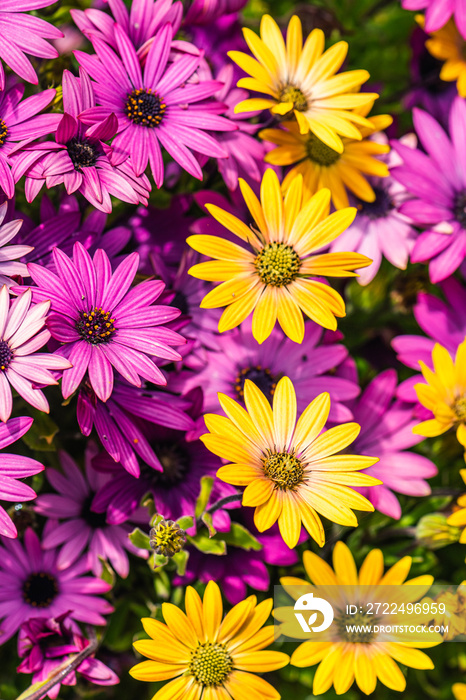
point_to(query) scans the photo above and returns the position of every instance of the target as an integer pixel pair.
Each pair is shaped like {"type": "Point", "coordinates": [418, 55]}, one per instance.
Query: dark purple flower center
{"type": "Point", "coordinates": [262, 378]}
{"type": "Point", "coordinates": [175, 462]}
{"type": "Point", "coordinates": [83, 153]}
{"type": "Point", "coordinates": [380, 207]}
{"type": "Point", "coordinates": [96, 326]}
{"type": "Point", "coordinates": [95, 520]}
{"type": "Point", "coordinates": [145, 107]}
{"type": "Point", "coordinates": [181, 303]}
{"type": "Point", "coordinates": [460, 209]}
{"type": "Point", "coordinates": [3, 132]}
{"type": "Point", "coordinates": [40, 589]}
{"type": "Point", "coordinates": [6, 355]}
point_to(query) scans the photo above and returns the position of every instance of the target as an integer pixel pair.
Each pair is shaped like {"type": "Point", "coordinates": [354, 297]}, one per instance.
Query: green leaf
{"type": "Point", "coordinates": [41, 434]}
{"type": "Point", "coordinates": [140, 539]}
{"type": "Point", "coordinates": [206, 489]}
{"type": "Point", "coordinates": [155, 520]}
{"type": "Point", "coordinates": [185, 522]}
{"type": "Point", "coordinates": [107, 575]}
{"type": "Point", "coordinates": [180, 560]}
{"type": "Point", "coordinates": [208, 545]}
{"type": "Point", "coordinates": [239, 536]}
{"type": "Point", "coordinates": [207, 520]}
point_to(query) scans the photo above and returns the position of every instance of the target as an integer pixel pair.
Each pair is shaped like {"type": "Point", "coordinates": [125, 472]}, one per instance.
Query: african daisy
{"type": "Point", "coordinates": [290, 471]}
{"type": "Point", "coordinates": [301, 79]}
{"type": "Point", "coordinates": [271, 276]}
{"type": "Point", "coordinates": [206, 658]}
{"type": "Point", "coordinates": [447, 44]}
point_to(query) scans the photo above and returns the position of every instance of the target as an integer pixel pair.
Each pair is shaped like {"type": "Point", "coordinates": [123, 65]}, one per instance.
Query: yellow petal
{"type": "Point", "coordinates": [265, 314]}
{"type": "Point", "coordinates": [311, 521]}
{"type": "Point", "coordinates": [343, 563]}
{"type": "Point", "coordinates": [323, 678]}
{"type": "Point", "coordinates": [250, 682]}
{"type": "Point", "coordinates": [389, 672]}
{"type": "Point", "coordinates": [332, 441]}
{"type": "Point", "coordinates": [260, 411]}
{"type": "Point", "coordinates": [313, 299]}
{"type": "Point", "coordinates": [289, 316]}
{"type": "Point", "coordinates": [318, 570]}
{"type": "Point", "coordinates": [254, 104]}
{"type": "Point", "coordinates": [335, 264]}
{"type": "Point", "coordinates": [253, 205]}
{"type": "Point", "coordinates": [313, 213]}
{"type": "Point", "coordinates": [273, 38]}
{"type": "Point", "coordinates": [327, 231]}
{"type": "Point", "coordinates": [284, 413]}
{"type": "Point", "coordinates": [220, 248]}
{"type": "Point", "coordinates": [261, 51]}
{"type": "Point", "coordinates": [272, 204]}
{"type": "Point", "coordinates": [175, 690]}
{"type": "Point", "coordinates": [289, 521]}
{"type": "Point", "coordinates": [212, 610]}
{"type": "Point", "coordinates": [343, 680]}
{"type": "Point", "coordinates": [193, 605]}
{"type": "Point", "coordinates": [268, 513]}
{"type": "Point", "coordinates": [257, 492]}
{"type": "Point", "coordinates": [292, 202]}
{"type": "Point", "coordinates": [238, 474]}
{"type": "Point", "coordinates": [430, 428]}
{"type": "Point", "coordinates": [251, 66]}
{"type": "Point", "coordinates": [229, 292]}
{"type": "Point", "coordinates": [312, 50]}
{"type": "Point", "coordinates": [294, 44]}
{"type": "Point", "coordinates": [179, 624]}
{"type": "Point", "coordinates": [173, 654]}
{"type": "Point", "coordinates": [153, 671]}
{"type": "Point", "coordinates": [228, 449]}
{"type": "Point", "coordinates": [261, 661]}
{"type": "Point", "coordinates": [217, 270]}
{"type": "Point", "coordinates": [397, 573]}
{"type": "Point", "coordinates": [364, 670]}
{"type": "Point", "coordinates": [443, 365]}
{"type": "Point", "coordinates": [414, 658]}
{"type": "Point", "coordinates": [235, 313]}
{"type": "Point", "coordinates": [328, 64]}
{"type": "Point", "coordinates": [241, 419]}
{"type": "Point", "coordinates": [312, 421]}
{"type": "Point", "coordinates": [309, 653]}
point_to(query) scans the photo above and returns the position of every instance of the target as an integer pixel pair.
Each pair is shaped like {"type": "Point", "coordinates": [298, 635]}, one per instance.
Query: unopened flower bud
{"type": "Point", "coordinates": [167, 538]}
{"type": "Point", "coordinates": [434, 532]}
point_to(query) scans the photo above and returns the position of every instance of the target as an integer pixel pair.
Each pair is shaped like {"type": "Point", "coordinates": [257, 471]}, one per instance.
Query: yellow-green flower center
{"type": "Point", "coordinates": [290, 93]}
{"type": "Point", "coordinates": [319, 152]}
{"type": "Point", "coordinates": [284, 469]}
{"type": "Point", "coordinates": [210, 664]}
{"type": "Point", "coordinates": [460, 409]}
{"type": "Point", "coordinates": [167, 538]}
{"type": "Point", "coordinates": [347, 626]}
{"type": "Point", "coordinates": [277, 264]}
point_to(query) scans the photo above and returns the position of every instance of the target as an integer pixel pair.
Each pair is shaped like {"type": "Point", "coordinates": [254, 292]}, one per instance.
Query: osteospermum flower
{"type": "Point", "coordinates": [22, 333]}
{"type": "Point", "coordinates": [291, 473]}
{"type": "Point", "coordinates": [23, 34]}
{"type": "Point", "coordinates": [34, 586]}
{"type": "Point", "coordinates": [14, 467]}
{"type": "Point", "coordinates": [103, 324]}
{"type": "Point", "coordinates": [436, 178]}
{"type": "Point", "coordinates": [206, 658]}
{"type": "Point", "coordinates": [155, 106]}
{"type": "Point", "coordinates": [322, 166]}
{"type": "Point", "coordinates": [344, 657]}
{"type": "Point", "coordinates": [19, 120]}
{"type": "Point", "coordinates": [79, 157]}
{"type": "Point", "coordinates": [449, 46]}
{"type": "Point", "coordinates": [444, 394]}
{"type": "Point", "coordinates": [301, 79]}
{"type": "Point", "coordinates": [10, 253]}
{"type": "Point", "coordinates": [271, 276]}
{"type": "Point", "coordinates": [438, 12]}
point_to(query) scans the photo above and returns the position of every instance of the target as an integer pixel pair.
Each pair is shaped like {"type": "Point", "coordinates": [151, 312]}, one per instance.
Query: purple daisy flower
{"type": "Point", "coordinates": [83, 529]}
{"type": "Point", "coordinates": [21, 120]}
{"type": "Point", "coordinates": [174, 490]}
{"type": "Point", "coordinates": [443, 322]}
{"type": "Point", "coordinates": [102, 323]}
{"type": "Point", "coordinates": [46, 644]}
{"type": "Point", "coordinates": [12, 468]}
{"type": "Point", "coordinates": [22, 333]}
{"type": "Point", "coordinates": [21, 34]}
{"type": "Point", "coordinates": [387, 431]}
{"type": "Point", "coordinates": [10, 253]}
{"type": "Point", "coordinates": [79, 158]}
{"type": "Point", "coordinates": [121, 420]}
{"type": "Point", "coordinates": [438, 12]}
{"type": "Point", "coordinates": [34, 586]}
{"type": "Point", "coordinates": [437, 179]}
{"type": "Point", "coordinates": [239, 357]}
{"type": "Point", "coordinates": [207, 11]}
{"type": "Point", "coordinates": [156, 105]}
{"type": "Point", "coordinates": [141, 23]}
{"type": "Point", "coordinates": [379, 228]}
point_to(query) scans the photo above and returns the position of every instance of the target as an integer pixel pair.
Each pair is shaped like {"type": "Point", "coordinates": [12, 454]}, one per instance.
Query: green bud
{"type": "Point", "coordinates": [167, 538]}
{"type": "Point", "coordinates": [434, 532]}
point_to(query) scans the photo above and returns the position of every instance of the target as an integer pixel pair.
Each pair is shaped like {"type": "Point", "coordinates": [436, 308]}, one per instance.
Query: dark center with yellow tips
{"type": "Point", "coordinates": [277, 264]}
{"type": "Point", "coordinates": [347, 627]}
{"type": "Point", "coordinates": [262, 378]}
{"type": "Point", "coordinates": [96, 327]}
{"type": "Point", "coordinates": [210, 664]}
{"type": "Point", "coordinates": [83, 153]}
{"type": "Point", "coordinates": [380, 207]}
{"type": "Point", "coordinates": [3, 132]}
{"type": "Point", "coordinates": [460, 209]}
{"type": "Point", "coordinates": [284, 469]}
{"type": "Point", "coordinates": [460, 409]}
{"type": "Point", "coordinates": [319, 152]}
{"type": "Point", "coordinates": [145, 107]}
{"type": "Point", "coordinates": [6, 355]}
{"type": "Point", "coordinates": [293, 94]}
{"type": "Point", "coordinates": [40, 589]}
{"type": "Point", "coordinates": [167, 538]}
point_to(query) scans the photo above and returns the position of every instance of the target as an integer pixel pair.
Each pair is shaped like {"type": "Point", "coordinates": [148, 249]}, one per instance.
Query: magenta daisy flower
{"type": "Point", "coordinates": [120, 421]}
{"type": "Point", "coordinates": [34, 586]}
{"type": "Point", "coordinates": [12, 468]}
{"type": "Point", "coordinates": [438, 12]}
{"type": "Point", "coordinates": [103, 324]}
{"type": "Point", "coordinates": [141, 23]}
{"type": "Point", "coordinates": [82, 528]}
{"type": "Point", "coordinates": [207, 11]}
{"type": "Point", "coordinates": [155, 106]}
{"type": "Point", "coordinates": [79, 158]}
{"type": "Point", "coordinates": [9, 254]}
{"type": "Point", "coordinates": [46, 644]}
{"type": "Point", "coordinates": [22, 333]}
{"type": "Point", "coordinates": [21, 34]}
{"type": "Point", "coordinates": [21, 120]}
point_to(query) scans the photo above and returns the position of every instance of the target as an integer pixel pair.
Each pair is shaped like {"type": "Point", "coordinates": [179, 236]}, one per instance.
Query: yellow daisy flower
{"type": "Point", "coordinates": [458, 517]}
{"type": "Point", "coordinates": [448, 45]}
{"type": "Point", "coordinates": [322, 166]}
{"type": "Point", "coordinates": [206, 658]}
{"type": "Point", "coordinates": [301, 79]}
{"type": "Point", "coordinates": [444, 394]}
{"type": "Point", "coordinates": [290, 471]}
{"type": "Point", "coordinates": [344, 657]}
{"type": "Point", "coordinates": [271, 275]}
{"type": "Point", "coordinates": [459, 691]}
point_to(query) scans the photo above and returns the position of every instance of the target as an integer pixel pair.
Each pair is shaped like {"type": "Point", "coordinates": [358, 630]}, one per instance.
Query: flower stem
{"type": "Point", "coordinates": [224, 501]}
